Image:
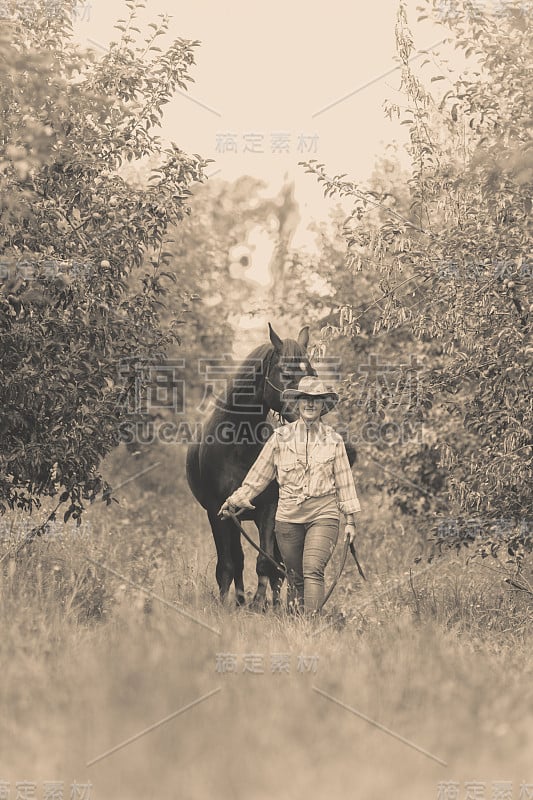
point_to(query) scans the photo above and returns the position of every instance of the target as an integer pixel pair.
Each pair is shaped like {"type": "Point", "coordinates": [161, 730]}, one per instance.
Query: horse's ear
{"type": "Point", "coordinates": [303, 337]}
{"type": "Point", "coordinates": [274, 338]}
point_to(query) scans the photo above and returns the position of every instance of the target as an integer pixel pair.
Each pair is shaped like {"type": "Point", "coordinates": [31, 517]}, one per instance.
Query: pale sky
{"type": "Point", "coordinates": [289, 79]}
{"type": "Point", "coordinates": [264, 76]}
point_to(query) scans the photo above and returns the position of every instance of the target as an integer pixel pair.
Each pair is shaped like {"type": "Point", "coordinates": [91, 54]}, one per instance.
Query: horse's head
{"type": "Point", "coordinates": [286, 366]}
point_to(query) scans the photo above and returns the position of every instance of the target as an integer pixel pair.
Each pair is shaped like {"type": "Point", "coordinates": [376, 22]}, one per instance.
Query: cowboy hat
{"type": "Point", "coordinates": [310, 386]}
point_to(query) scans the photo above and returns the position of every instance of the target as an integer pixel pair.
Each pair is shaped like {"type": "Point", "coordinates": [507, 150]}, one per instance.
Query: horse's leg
{"type": "Point", "coordinates": [266, 571]}
{"type": "Point", "coordinates": [238, 565]}
{"type": "Point", "coordinates": [225, 571]}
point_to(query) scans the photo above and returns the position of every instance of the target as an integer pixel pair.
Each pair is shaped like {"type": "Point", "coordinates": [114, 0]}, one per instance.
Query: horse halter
{"type": "Point", "coordinates": [267, 379]}
{"type": "Point", "coordinates": [278, 389]}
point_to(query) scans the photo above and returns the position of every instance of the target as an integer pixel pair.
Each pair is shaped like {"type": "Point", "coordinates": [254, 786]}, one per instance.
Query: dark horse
{"type": "Point", "coordinates": [230, 442]}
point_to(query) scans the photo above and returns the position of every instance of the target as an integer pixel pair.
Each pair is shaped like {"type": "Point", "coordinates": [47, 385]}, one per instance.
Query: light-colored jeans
{"type": "Point", "coordinates": [306, 548]}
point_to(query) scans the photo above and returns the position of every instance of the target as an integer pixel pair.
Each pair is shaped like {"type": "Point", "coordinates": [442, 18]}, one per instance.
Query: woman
{"type": "Point", "coordinates": [309, 461]}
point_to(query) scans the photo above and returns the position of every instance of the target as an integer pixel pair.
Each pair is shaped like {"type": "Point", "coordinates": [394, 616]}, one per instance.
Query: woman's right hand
{"type": "Point", "coordinates": [228, 508]}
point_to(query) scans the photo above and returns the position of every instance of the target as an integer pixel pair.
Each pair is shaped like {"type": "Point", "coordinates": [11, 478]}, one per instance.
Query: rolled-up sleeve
{"type": "Point", "coordinates": [260, 474]}
{"type": "Point", "coordinates": [344, 482]}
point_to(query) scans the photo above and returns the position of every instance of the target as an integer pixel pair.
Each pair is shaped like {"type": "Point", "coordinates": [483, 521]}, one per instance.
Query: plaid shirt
{"type": "Point", "coordinates": [302, 467]}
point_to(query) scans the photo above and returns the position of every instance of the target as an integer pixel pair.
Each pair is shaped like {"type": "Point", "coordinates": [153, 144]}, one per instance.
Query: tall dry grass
{"type": "Point", "coordinates": [439, 654]}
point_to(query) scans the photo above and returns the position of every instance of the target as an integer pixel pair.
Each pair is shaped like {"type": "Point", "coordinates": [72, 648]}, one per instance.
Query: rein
{"type": "Point", "coordinates": [277, 388]}
{"type": "Point", "coordinates": [281, 569]}
{"type": "Point", "coordinates": [259, 549]}
{"type": "Point", "coordinates": [347, 546]}
{"type": "Point", "coordinates": [333, 585]}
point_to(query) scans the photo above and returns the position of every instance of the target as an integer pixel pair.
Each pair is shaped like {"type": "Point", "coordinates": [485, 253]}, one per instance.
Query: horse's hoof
{"type": "Point", "coordinates": [259, 604]}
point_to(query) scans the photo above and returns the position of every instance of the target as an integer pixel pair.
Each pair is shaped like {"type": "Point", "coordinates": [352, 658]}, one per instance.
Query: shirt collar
{"type": "Point", "coordinates": [289, 433]}
{"type": "Point", "coordinates": [316, 427]}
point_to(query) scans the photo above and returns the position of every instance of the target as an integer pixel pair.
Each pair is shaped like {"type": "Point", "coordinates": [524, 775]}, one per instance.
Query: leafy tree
{"type": "Point", "coordinates": [455, 269]}
{"type": "Point", "coordinates": [210, 253]}
{"type": "Point", "coordinates": [82, 251]}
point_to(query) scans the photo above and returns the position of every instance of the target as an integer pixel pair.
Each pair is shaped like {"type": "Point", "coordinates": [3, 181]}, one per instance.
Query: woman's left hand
{"type": "Point", "coordinates": [349, 532]}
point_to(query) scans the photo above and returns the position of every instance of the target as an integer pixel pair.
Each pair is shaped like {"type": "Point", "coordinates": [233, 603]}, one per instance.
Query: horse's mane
{"type": "Point", "coordinates": [247, 369]}
{"type": "Point", "coordinates": [244, 388]}
{"type": "Point", "coordinates": [248, 374]}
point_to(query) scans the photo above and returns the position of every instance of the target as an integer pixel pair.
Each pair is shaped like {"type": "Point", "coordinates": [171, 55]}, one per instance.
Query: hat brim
{"type": "Point", "coordinates": [330, 398]}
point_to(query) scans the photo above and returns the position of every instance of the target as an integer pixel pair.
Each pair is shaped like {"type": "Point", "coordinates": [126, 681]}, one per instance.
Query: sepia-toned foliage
{"type": "Point", "coordinates": [454, 270]}
{"type": "Point", "coordinates": [83, 252]}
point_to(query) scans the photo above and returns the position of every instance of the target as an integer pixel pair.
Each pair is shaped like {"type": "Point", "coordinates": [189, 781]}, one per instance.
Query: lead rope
{"type": "Point", "coordinates": [333, 585]}
{"type": "Point", "coordinates": [286, 574]}
{"type": "Point", "coordinates": [257, 547]}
